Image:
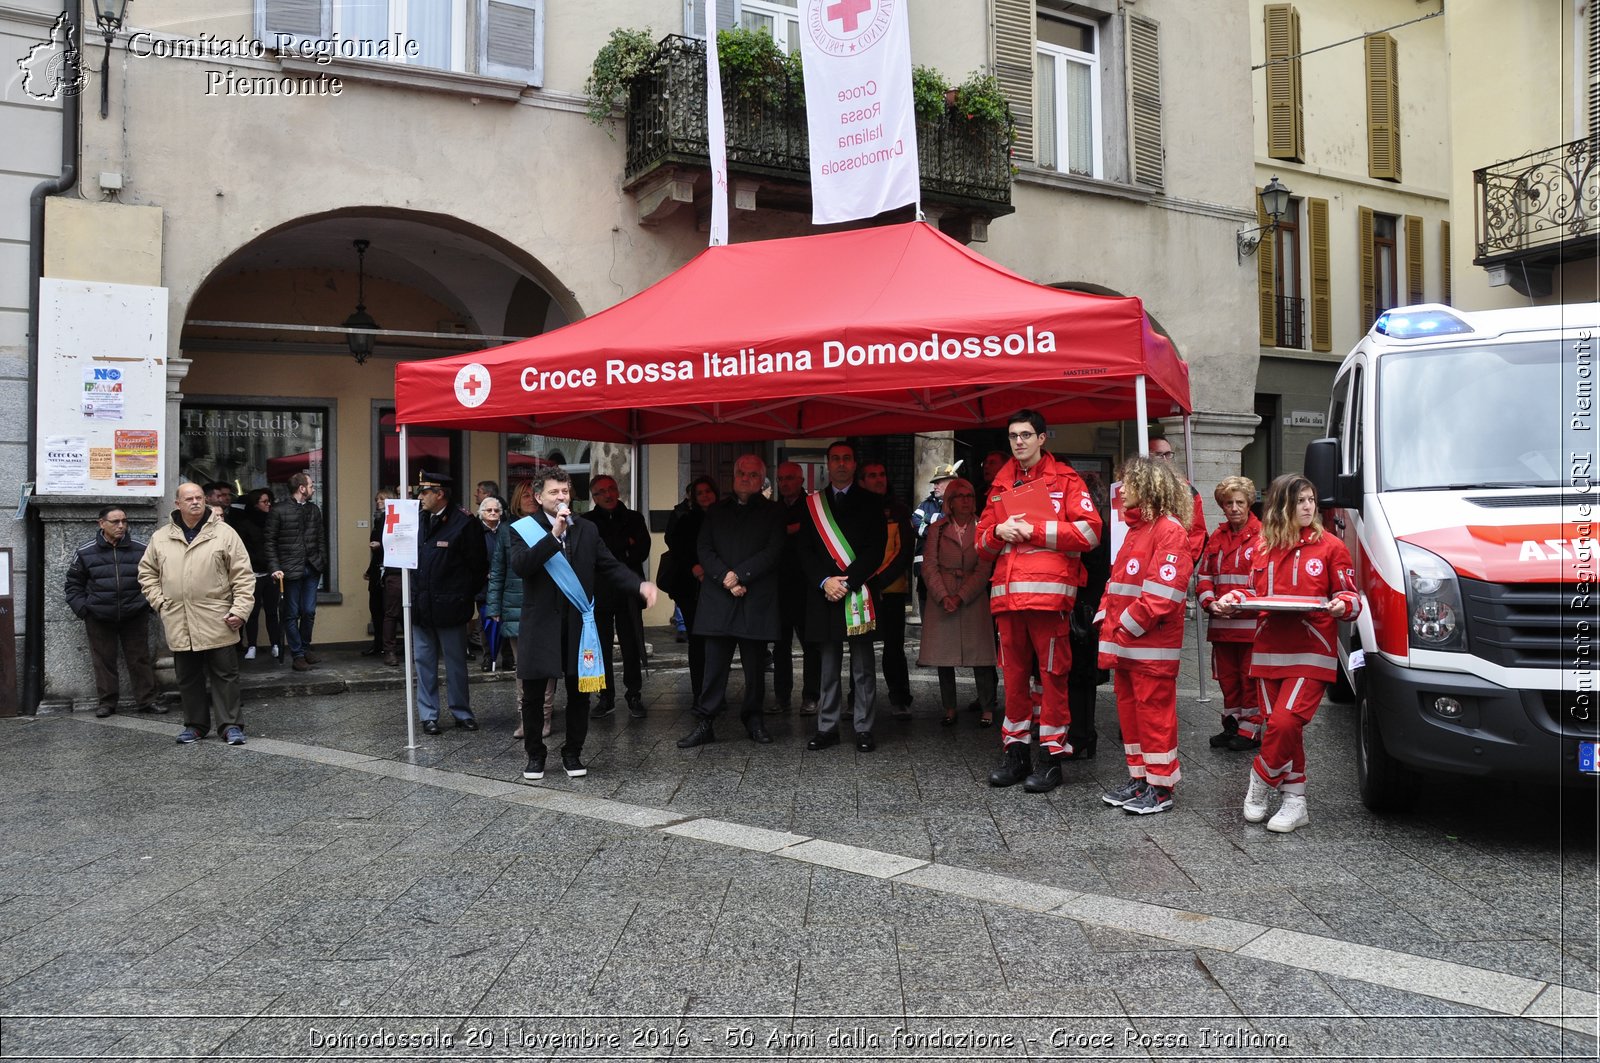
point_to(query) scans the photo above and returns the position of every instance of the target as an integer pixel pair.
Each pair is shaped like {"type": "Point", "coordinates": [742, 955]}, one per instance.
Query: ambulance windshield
{"type": "Point", "coordinates": [1490, 416]}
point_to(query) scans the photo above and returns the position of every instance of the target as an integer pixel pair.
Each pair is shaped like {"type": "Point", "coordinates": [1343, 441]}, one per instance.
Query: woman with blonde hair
{"type": "Point", "coordinates": [1296, 653]}
{"type": "Point", "coordinates": [1141, 630]}
{"type": "Point", "coordinates": [1225, 565]}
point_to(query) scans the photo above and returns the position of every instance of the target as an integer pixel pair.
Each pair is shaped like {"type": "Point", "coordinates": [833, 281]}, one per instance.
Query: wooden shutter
{"type": "Point", "coordinates": [1444, 263]}
{"type": "Point", "coordinates": [1594, 70]}
{"type": "Point", "coordinates": [1013, 66]}
{"type": "Point", "coordinates": [1321, 276]}
{"type": "Point", "coordinates": [511, 39]}
{"type": "Point", "coordinates": [1369, 272]}
{"type": "Point", "coordinates": [1266, 279]}
{"type": "Point", "coordinates": [1414, 292]}
{"type": "Point", "coordinates": [1144, 92]}
{"type": "Point", "coordinates": [295, 20]}
{"type": "Point", "coordinates": [1383, 108]}
{"type": "Point", "coordinates": [694, 16]}
{"type": "Point", "coordinates": [1286, 138]}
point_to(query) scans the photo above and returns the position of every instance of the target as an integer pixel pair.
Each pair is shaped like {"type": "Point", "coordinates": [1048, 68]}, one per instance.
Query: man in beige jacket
{"type": "Point", "coordinates": [197, 577]}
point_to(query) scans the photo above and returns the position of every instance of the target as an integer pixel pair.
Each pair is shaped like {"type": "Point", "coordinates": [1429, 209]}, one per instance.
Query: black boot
{"type": "Point", "coordinates": [701, 735]}
{"type": "Point", "coordinates": [1046, 778]}
{"type": "Point", "coordinates": [1018, 764]}
{"type": "Point", "coordinates": [1230, 727]}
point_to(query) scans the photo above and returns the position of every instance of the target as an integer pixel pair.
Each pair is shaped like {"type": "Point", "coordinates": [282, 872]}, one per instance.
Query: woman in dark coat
{"type": "Point", "coordinates": [253, 530]}
{"type": "Point", "coordinates": [684, 541]}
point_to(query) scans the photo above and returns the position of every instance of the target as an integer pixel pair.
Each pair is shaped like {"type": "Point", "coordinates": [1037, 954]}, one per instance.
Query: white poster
{"type": "Point", "coordinates": [716, 142]}
{"type": "Point", "coordinates": [66, 465]}
{"type": "Point", "coordinates": [402, 524]}
{"type": "Point", "coordinates": [102, 393]}
{"type": "Point", "coordinates": [862, 122]}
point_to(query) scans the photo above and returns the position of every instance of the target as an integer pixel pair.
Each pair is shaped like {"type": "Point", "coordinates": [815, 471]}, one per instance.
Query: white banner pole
{"type": "Point", "coordinates": [716, 138]}
{"type": "Point", "coordinates": [405, 613]}
{"type": "Point", "coordinates": [1201, 621]}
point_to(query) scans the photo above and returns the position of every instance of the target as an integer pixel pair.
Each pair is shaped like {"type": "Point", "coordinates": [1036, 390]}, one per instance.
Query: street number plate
{"type": "Point", "coordinates": [1586, 758]}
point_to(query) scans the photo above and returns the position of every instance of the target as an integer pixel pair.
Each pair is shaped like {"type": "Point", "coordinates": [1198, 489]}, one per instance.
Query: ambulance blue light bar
{"type": "Point", "coordinates": [1419, 324]}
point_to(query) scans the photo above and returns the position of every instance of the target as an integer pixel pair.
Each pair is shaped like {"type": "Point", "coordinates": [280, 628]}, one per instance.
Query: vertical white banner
{"type": "Point", "coordinates": [716, 138]}
{"type": "Point", "coordinates": [863, 125]}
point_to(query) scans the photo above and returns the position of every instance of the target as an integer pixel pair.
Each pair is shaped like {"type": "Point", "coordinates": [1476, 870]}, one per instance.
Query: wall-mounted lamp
{"type": "Point", "coordinates": [360, 342]}
{"type": "Point", "coordinates": [108, 16]}
{"type": "Point", "coordinates": [1275, 204]}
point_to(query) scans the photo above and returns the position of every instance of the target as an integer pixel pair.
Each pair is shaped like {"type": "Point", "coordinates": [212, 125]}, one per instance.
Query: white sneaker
{"type": "Point", "coordinates": [1290, 815]}
{"type": "Point", "coordinates": [277, 652]}
{"type": "Point", "coordinates": [250, 654]}
{"type": "Point", "coordinates": [1257, 799]}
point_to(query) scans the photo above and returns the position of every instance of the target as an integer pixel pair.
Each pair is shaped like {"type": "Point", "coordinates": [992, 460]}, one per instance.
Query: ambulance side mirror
{"type": "Point", "coordinates": [1334, 491]}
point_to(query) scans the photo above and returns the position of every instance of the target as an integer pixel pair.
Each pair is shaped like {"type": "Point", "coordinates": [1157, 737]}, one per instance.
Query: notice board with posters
{"type": "Point", "coordinates": [102, 409]}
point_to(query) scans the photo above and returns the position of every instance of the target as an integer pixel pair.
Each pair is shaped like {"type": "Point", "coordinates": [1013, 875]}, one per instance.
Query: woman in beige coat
{"type": "Point", "coordinates": [957, 630]}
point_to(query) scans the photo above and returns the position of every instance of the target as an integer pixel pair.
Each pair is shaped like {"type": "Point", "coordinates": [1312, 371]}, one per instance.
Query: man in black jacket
{"type": "Point", "coordinates": [297, 558]}
{"type": "Point", "coordinates": [741, 543]}
{"type": "Point", "coordinates": [892, 583]}
{"type": "Point", "coordinates": [792, 600]}
{"type": "Point", "coordinates": [618, 615]}
{"type": "Point", "coordinates": [103, 591]}
{"type": "Point", "coordinates": [451, 565]}
{"type": "Point", "coordinates": [552, 629]}
{"type": "Point", "coordinates": [841, 546]}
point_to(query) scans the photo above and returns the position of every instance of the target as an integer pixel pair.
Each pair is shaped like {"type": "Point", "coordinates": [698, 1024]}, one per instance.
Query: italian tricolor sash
{"type": "Point", "coordinates": [859, 617]}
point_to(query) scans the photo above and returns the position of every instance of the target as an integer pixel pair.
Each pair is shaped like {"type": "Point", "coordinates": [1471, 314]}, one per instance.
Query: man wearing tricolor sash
{"type": "Point", "coordinates": [560, 561]}
{"type": "Point", "coordinates": [841, 546]}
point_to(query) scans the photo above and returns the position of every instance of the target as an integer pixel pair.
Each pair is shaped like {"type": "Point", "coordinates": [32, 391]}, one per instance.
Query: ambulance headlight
{"type": "Point", "coordinates": [1433, 601]}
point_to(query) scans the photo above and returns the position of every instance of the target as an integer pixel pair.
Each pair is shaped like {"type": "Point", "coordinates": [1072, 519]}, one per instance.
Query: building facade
{"type": "Point", "coordinates": [277, 169]}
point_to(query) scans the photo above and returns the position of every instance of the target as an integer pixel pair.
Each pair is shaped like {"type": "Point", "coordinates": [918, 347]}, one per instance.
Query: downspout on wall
{"type": "Point", "coordinates": [71, 118]}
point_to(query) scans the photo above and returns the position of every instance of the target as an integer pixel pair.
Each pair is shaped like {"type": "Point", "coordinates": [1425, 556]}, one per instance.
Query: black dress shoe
{"type": "Point", "coordinates": [865, 743]}
{"type": "Point", "coordinates": [702, 735]}
{"type": "Point", "coordinates": [758, 733]}
{"type": "Point", "coordinates": [430, 727]}
{"type": "Point", "coordinates": [468, 724]}
{"type": "Point", "coordinates": [823, 739]}
{"type": "Point", "coordinates": [372, 651]}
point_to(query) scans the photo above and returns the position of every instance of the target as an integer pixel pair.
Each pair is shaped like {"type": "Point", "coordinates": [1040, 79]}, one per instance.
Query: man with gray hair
{"type": "Point", "coordinates": [741, 543]}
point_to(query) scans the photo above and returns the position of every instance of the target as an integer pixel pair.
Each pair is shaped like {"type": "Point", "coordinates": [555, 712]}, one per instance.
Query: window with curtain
{"type": "Point", "coordinates": [434, 29]}
{"type": "Point", "coordinates": [1067, 94]}
{"type": "Point", "coordinates": [780, 18]}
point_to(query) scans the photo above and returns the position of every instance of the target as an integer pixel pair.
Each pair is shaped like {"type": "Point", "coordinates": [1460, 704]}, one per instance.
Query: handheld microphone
{"type": "Point", "coordinates": [563, 510]}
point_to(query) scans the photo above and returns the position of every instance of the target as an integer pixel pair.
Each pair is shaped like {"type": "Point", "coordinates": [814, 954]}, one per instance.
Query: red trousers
{"type": "Point", "coordinates": [1025, 637]}
{"type": "Point", "coordinates": [1230, 666]}
{"type": "Point", "coordinates": [1290, 704]}
{"type": "Point", "coordinates": [1147, 706]}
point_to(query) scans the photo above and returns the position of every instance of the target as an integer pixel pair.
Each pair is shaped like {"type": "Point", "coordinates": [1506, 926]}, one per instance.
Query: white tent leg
{"type": "Point", "coordinates": [1201, 622]}
{"type": "Point", "coordinates": [405, 613]}
{"type": "Point", "coordinates": [1141, 411]}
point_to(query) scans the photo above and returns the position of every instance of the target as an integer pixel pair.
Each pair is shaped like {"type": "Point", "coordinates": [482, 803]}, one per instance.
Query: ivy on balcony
{"type": "Point", "coordinates": [964, 151]}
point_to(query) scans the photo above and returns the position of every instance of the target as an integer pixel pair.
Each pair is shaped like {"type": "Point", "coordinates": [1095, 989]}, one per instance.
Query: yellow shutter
{"type": "Point", "coordinates": [1266, 280]}
{"type": "Point", "coordinates": [1594, 71]}
{"type": "Point", "coordinates": [1383, 108]}
{"type": "Point", "coordinates": [1013, 66]}
{"type": "Point", "coordinates": [1414, 293]}
{"type": "Point", "coordinates": [1444, 263]}
{"type": "Point", "coordinates": [1321, 279]}
{"type": "Point", "coordinates": [1369, 273]}
{"type": "Point", "coordinates": [1144, 98]}
{"type": "Point", "coordinates": [1285, 125]}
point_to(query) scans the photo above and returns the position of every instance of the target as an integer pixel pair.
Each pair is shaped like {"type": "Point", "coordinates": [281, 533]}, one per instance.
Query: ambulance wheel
{"type": "Point", "coordinates": [1386, 785]}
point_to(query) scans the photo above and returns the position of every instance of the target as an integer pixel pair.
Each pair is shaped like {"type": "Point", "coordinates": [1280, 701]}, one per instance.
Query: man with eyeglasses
{"type": "Point", "coordinates": [1161, 449]}
{"type": "Point", "coordinates": [103, 591]}
{"type": "Point", "coordinates": [1039, 519]}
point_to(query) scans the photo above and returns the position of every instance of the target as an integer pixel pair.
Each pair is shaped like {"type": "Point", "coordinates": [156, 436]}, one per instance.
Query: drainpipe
{"type": "Point", "coordinates": [71, 118]}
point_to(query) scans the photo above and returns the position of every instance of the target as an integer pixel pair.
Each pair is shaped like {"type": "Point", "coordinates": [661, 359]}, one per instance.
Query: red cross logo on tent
{"type": "Point", "coordinates": [847, 13]}
{"type": "Point", "coordinates": [390, 518]}
{"type": "Point", "coordinates": [472, 385]}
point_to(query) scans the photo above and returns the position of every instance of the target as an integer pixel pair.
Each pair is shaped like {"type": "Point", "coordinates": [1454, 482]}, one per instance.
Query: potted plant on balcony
{"type": "Point", "coordinates": [625, 55]}
{"type": "Point", "coordinates": [982, 101]}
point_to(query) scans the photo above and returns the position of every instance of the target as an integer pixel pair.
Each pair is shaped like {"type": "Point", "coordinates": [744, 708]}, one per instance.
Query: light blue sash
{"type": "Point", "coordinates": [591, 669]}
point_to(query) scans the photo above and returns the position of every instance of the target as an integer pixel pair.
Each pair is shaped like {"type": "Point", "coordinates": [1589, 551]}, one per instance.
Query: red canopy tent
{"type": "Point", "coordinates": [873, 331]}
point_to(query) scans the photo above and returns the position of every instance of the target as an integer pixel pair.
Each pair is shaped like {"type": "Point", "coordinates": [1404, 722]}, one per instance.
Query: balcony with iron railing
{"type": "Point", "coordinates": [1291, 315]}
{"type": "Point", "coordinates": [965, 165]}
{"type": "Point", "coordinates": [1540, 209]}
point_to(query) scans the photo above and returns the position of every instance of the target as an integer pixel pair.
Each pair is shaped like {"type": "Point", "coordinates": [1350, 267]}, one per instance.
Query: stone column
{"type": "Point", "coordinates": [931, 450]}
{"type": "Point", "coordinates": [1219, 439]}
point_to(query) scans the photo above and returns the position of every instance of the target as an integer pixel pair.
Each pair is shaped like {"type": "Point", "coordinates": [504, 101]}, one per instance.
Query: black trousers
{"type": "Point", "coordinates": [533, 716]}
{"type": "Point", "coordinates": [131, 634]}
{"type": "Point", "coordinates": [783, 658]}
{"type": "Point", "coordinates": [719, 662]}
{"type": "Point", "coordinates": [892, 631]}
{"type": "Point", "coordinates": [625, 625]}
{"type": "Point", "coordinates": [218, 668]}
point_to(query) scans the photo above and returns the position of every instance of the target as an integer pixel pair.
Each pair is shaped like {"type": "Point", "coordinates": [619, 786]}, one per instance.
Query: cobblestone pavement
{"type": "Point", "coordinates": [326, 892]}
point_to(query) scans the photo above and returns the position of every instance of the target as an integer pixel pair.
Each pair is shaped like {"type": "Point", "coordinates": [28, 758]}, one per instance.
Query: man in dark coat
{"type": "Point", "coordinates": [741, 544]}
{"type": "Point", "coordinates": [835, 585]}
{"type": "Point", "coordinates": [618, 616]}
{"type": "Point", "coordinates": [792, 599]}
{"type": "Point", "coordinates": [551, 628]}
{"type": "Point", "coordinates": [892, 584]}
{"type": "Point", "coordinates": [298, 558]}
{"type": "Point", "coordinates": [103, 591]}
{"type": "Point", "coordinates": [451, 565]}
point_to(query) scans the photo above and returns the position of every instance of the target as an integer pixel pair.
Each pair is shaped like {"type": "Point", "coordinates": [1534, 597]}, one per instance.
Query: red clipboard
{"type": "Point", "coordinates": [1031, 502]}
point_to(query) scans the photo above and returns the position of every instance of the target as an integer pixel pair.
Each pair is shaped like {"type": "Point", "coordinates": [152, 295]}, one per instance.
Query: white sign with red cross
{"type": "Point", "coordinates": [402, 524]}
{"type": "Point", "coordinates": [472, 385]}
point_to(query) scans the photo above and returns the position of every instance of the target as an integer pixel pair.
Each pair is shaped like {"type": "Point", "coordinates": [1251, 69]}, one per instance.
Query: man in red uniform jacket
{"type": "Point", "coordinates": [1035, 547]}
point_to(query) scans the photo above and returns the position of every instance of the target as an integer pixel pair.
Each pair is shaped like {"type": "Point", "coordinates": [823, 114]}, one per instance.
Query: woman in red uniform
{"type": "Point", "coordinates": [1296, 653]}
{"type": "Point", "coordinates": [1141, 631]}
{"type": "Point", "coordinates": [1224, 566]}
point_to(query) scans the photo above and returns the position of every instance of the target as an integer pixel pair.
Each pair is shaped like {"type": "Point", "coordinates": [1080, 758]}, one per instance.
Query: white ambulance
{"type": "Point", "coordinates": [1459, 472]}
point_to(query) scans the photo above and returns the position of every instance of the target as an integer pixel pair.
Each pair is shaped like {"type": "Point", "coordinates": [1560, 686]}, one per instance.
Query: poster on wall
{"type": "Point", "coordinates": [136, 457]}
{"type": "Point", "coordinates": [102, 393]}
{"type": "Point", "coordinates": [65, 469]}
